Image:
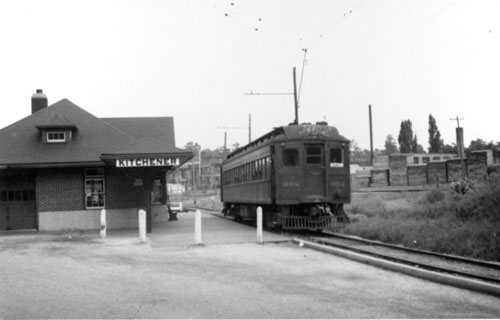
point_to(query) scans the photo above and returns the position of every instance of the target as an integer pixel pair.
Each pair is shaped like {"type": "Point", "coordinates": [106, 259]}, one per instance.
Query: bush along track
{"type": "Point", "coordinates": [462, 218]}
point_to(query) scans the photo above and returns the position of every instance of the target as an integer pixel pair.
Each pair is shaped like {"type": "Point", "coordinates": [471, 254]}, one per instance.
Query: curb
{"type": "Point", "coordinates": [445, 279]}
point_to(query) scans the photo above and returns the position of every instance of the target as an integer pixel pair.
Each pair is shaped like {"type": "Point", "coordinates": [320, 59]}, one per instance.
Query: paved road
{"type": "Point", "coordinates": [53, 276]}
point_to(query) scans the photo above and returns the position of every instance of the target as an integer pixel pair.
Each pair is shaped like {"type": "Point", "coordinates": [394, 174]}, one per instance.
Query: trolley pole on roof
{"type": "Point", "coordinates": [295, 97]}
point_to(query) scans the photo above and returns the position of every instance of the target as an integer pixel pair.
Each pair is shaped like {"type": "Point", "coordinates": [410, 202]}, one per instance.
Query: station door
{"type": "Point", "coordinates": [17, 201]}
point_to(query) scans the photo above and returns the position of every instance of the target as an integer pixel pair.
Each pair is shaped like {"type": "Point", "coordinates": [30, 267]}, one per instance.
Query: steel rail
{"type": "Point", "coordinates": [482, 263]}
{"type": "Point", "coordinates": [404, 261]}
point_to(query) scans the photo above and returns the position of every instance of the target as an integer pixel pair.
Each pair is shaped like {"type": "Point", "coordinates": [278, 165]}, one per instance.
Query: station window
{"type": "Point", "coordinates": [94, 188]}
{"type": "Point", "coordinates": [425, 159]}
{"type": "Point", "coordinates": [415, 160]}
{"type": "Point", "coordinates": [290, 157]}
{"type": "Point", "coordinates": [56, 137]}
{"type": "Point", "coordinates": [336, 157]}
{"type": "Point", "coordinates": [314, 155]}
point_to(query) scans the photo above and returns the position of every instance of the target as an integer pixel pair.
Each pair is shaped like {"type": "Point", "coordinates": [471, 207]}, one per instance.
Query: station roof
{"type": "Point", "coordinates": [92, 137]}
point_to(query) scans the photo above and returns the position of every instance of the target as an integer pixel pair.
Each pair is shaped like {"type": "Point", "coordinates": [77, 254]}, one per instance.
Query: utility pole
{"type": "Point", "coordinates": [249, 127]}
{"type": "Point", "coordinates": [238, 128]}
{"type": "Point", "coordinates": [460, 144]}
{"type": "Point", "coordinates": [294, 93]}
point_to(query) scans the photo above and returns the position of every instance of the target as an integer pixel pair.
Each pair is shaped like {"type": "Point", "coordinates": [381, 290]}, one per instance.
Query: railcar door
{"type": "Point", "coordinates": [314, 172]}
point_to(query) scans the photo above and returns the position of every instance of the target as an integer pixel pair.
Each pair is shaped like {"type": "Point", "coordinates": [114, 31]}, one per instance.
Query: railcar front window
{"type": "Point", "coordinates": [314, 155]}
{"type": "Point", "coordinates": [290, 157]}
{"type": "Point", "coordinates": [336, 158]}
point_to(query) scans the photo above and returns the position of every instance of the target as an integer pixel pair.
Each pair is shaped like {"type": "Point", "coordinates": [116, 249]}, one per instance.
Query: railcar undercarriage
{"type": "Point", "coordinates": [292, 217]}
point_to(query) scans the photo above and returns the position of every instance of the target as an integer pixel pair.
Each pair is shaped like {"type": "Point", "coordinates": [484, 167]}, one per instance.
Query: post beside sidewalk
{"type": "Point", "coordinates": [103, 223]}
{"type": "Point", "coordinates": [197, 227]}
{"type": "Point", "coordinates": [259, 225]}
{"type": "Point", "coordinates": [142, 226]}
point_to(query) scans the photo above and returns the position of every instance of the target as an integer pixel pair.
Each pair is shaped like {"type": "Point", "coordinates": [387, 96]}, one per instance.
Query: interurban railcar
{"type": "Point", "coordinates": [298, 174]}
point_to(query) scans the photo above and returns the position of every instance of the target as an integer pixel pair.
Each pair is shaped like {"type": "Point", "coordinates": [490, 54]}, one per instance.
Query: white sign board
{"type": "Point", "coordinates": [148, 162]}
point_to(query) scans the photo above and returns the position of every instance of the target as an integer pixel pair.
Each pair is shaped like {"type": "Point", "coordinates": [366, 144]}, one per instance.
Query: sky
{"type": "Point", "coordinates": [198, 60]}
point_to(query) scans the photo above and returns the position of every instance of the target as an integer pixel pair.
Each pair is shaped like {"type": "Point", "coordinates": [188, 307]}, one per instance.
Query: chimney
{"type": "Point", "coordinates": [38, 101]}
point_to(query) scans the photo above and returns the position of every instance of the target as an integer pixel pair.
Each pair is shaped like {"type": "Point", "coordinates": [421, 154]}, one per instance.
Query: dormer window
{"type": "Point", "coordinates": [56, 137]}
{"type": "Point", "coordinates": [57, 130]}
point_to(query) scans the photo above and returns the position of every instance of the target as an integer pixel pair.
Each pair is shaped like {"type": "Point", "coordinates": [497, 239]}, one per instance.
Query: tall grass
{"type": "Point", "coordinates": [441, 220]}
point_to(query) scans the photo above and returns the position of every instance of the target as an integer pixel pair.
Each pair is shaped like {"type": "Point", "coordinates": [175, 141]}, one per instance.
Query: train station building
{"type": "Point", "coordinates": [60, 166]}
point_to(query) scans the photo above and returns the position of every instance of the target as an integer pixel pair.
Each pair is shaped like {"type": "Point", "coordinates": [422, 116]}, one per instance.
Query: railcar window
{"type": "Point", "coordinates": [336, 157]}
{"type": "Point", "coordinates": [290, 157]}
{"type": "Point", "coordinates": [314, 155]}
{"type": "Point", "coordinates": [237, 178]}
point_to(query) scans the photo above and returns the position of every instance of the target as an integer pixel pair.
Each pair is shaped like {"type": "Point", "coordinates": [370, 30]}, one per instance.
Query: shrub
{"type": "Point", "coordinates": [463, 186]}
{"type": "Point", "coordinates": [464, 222]}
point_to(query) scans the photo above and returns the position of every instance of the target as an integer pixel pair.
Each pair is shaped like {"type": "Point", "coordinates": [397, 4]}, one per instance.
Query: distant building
{"type": "Point", "coordinates": [382, 162]}
{"type": "Point", "coordinates": [199, 176]}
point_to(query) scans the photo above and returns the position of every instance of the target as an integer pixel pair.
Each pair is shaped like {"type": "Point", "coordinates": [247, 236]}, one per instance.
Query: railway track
{"type": "Point", "coordinates": [482, 272]}
{"type": "Point", "coordinates": [453, 265]}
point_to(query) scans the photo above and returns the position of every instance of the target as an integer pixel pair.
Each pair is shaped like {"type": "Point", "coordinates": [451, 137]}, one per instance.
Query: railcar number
{"type": "Point", "coordinates": [291, 184]}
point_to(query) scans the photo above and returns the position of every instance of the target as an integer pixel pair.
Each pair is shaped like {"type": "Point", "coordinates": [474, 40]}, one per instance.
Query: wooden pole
{"type": "Point", "coordinates": [371, 134]}
{"type": "Point", "coordinates": [249, 127]}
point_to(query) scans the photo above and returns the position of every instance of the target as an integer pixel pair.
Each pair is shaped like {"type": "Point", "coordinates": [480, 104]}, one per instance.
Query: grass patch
{"type": "Point", "coordinates": [446, 220]}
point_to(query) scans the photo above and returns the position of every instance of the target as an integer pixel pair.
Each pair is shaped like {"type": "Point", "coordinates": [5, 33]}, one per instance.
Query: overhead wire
{"type": "Point", "coordinates": [434, 16]}
{"type": "Point", "coordinates": [304, 62]}
{"type": "Point", "coordinates": [329, 29]}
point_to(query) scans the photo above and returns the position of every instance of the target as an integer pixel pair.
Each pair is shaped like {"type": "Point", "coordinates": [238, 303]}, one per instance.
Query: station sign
{"type": "Point", "coordinates": [147, 162]}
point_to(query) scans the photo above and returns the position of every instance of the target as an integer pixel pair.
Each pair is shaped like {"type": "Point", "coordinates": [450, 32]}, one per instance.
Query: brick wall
{"type": "Point", "coordinates": [63, 189]}
{"type": "Point", "coordinates": [122, 190]}
{"type": "Point", "coordinates": [60, 189]}
{"type": "Point", "coordinates": [417, 175]}
{"type": "Point", "coordinates": [379, 178]}
{"type": "Point", "coordinates": [436, 172]}
{"type": "Point", "coordinates": [398, 170]}
{"type": "Point", "coordinates": [454, 169]}
{"type": "Point", "coordinates": [477, 164]}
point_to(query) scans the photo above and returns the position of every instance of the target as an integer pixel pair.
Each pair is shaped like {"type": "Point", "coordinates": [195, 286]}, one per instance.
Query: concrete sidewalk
{"type": "Point", "coordinates": [215, 230]}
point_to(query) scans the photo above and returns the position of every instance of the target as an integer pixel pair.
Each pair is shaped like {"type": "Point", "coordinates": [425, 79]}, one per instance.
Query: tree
{"type": "Point", "coordinates": [405, 138]}
{"type": "Point", "coordinates": [415, 147]}
{"type": "Point", "coordinates": [194, 147]}
{"type": "Point", "coordinates": [449, 148]}
{"type": "Point", "coordinates": [435, 141]}
{"type": "Point", "coordinates": [480, 144]}
{"type": "Point", "coordinates": [390, 145]}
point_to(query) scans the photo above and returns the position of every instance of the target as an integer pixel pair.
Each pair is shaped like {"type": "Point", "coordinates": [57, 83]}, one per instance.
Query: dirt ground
{"type": "Point", "coordinates": [54, 276]}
